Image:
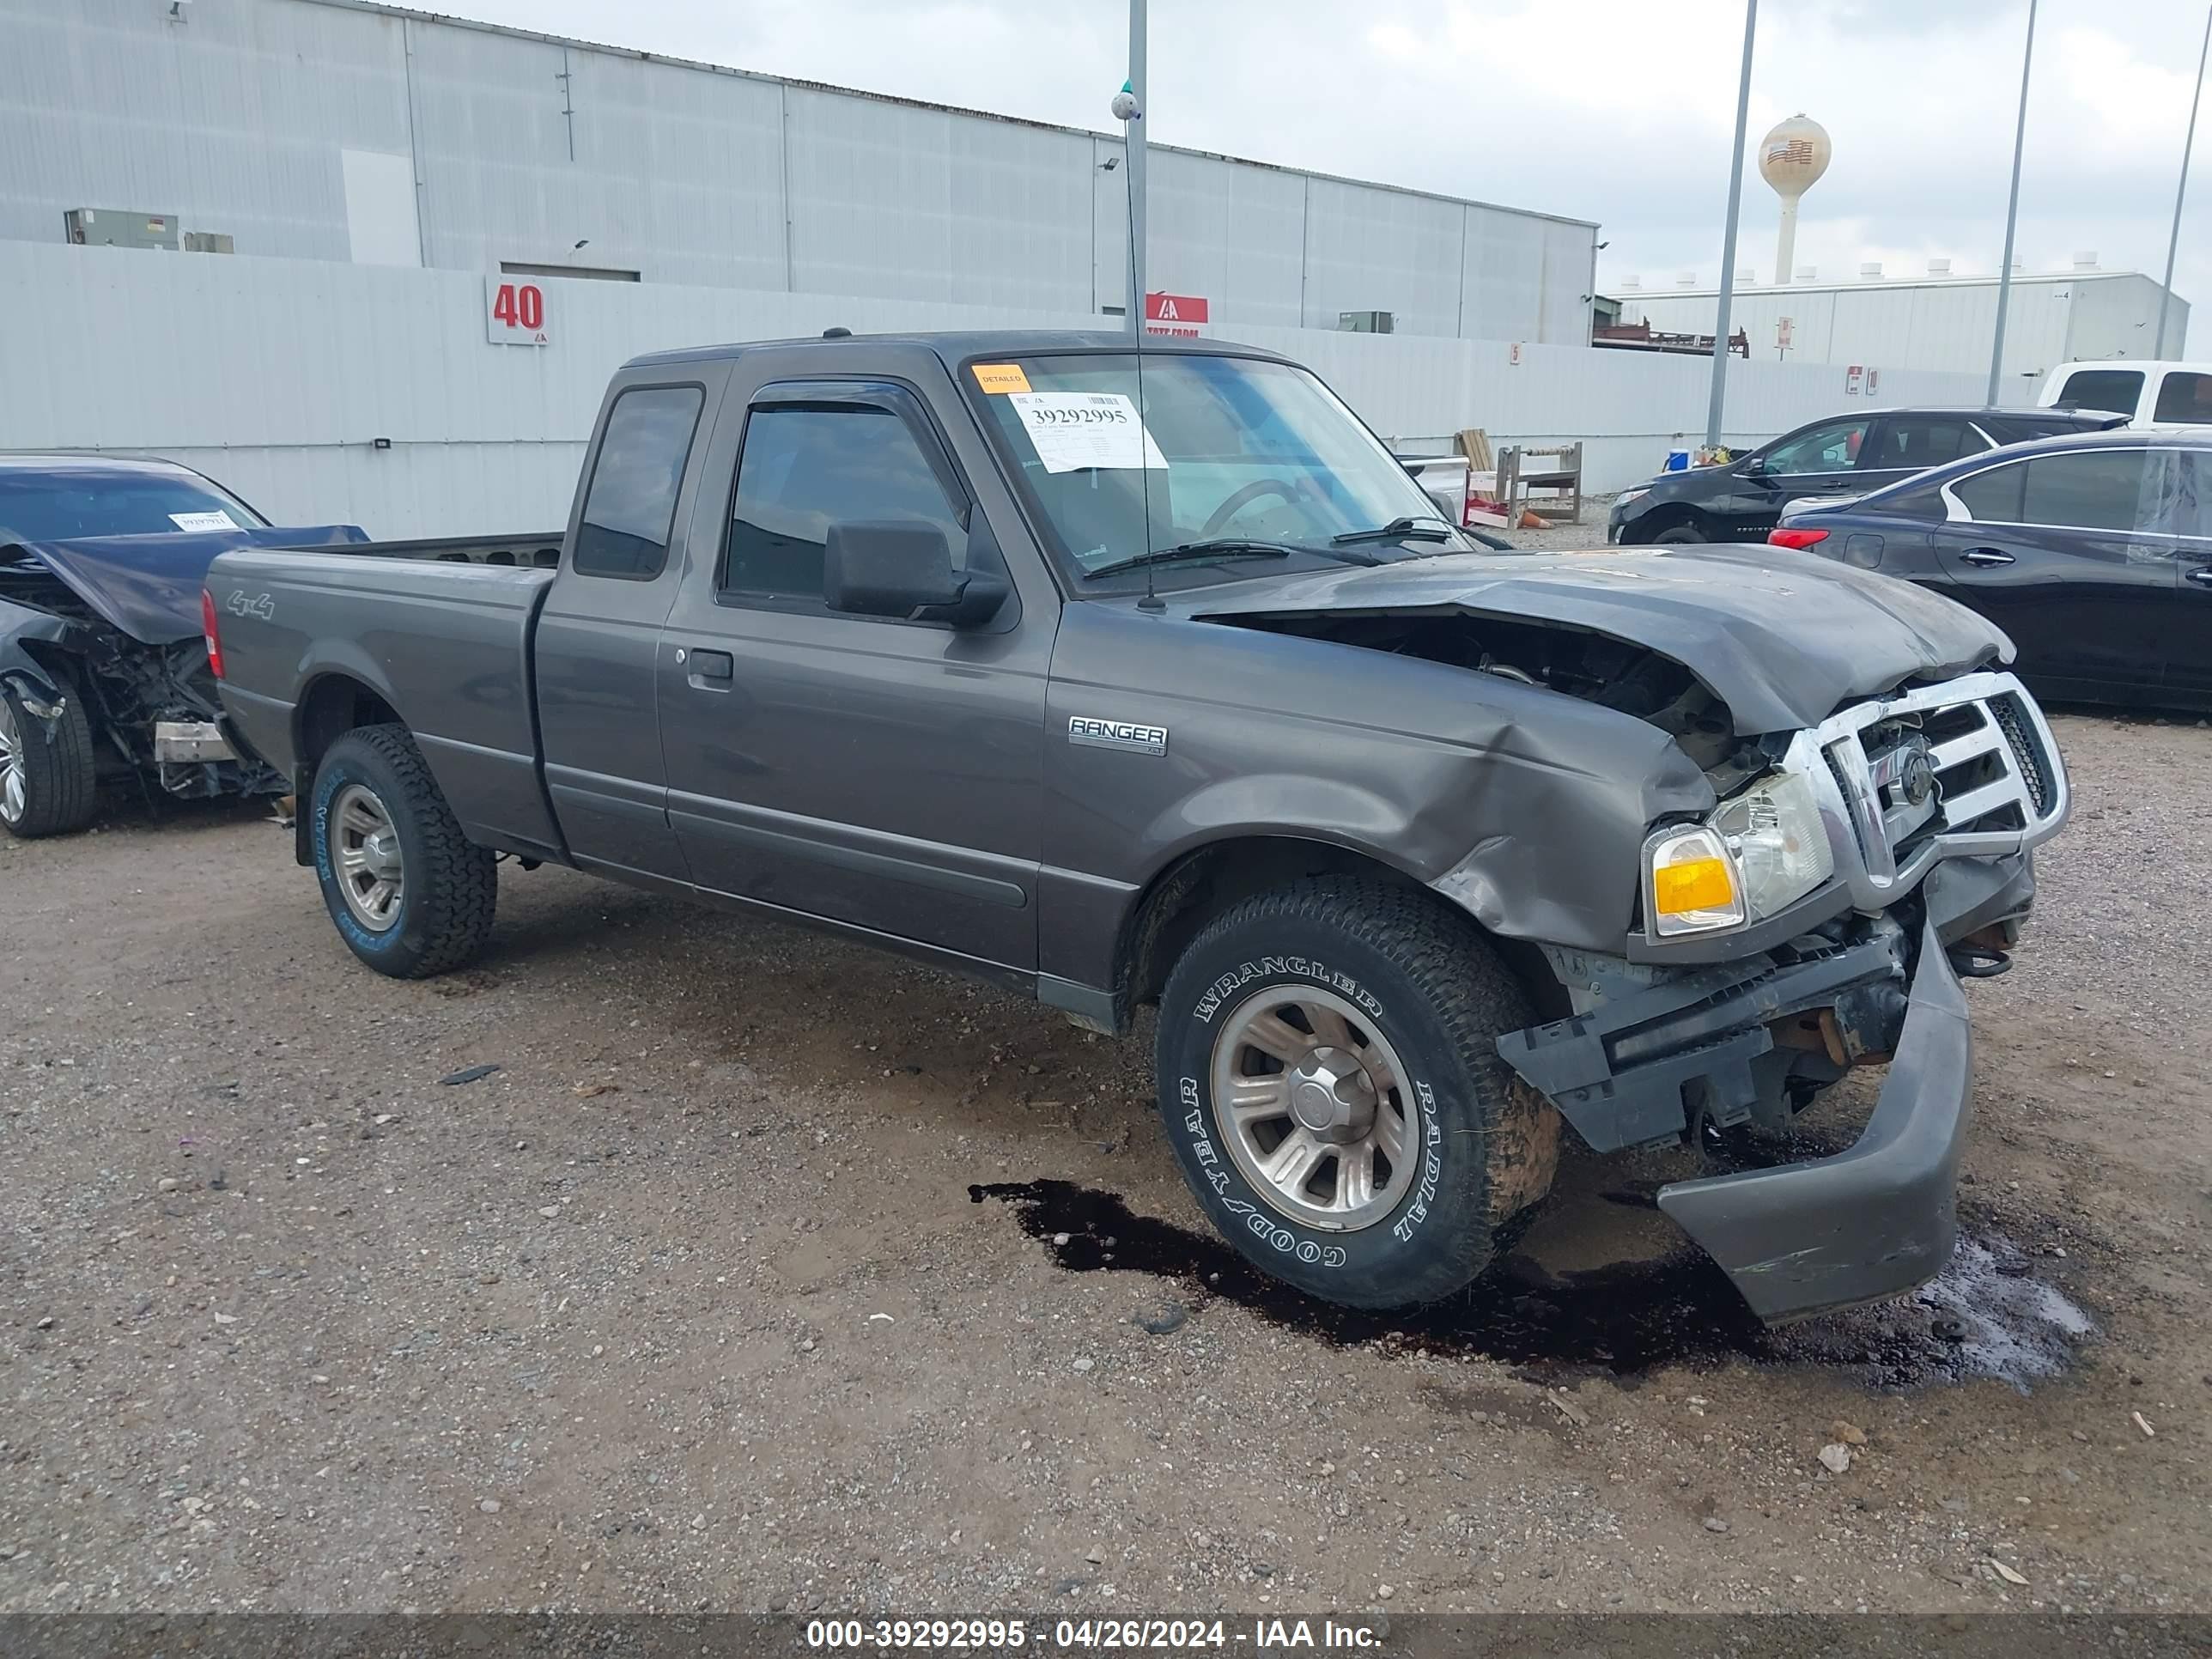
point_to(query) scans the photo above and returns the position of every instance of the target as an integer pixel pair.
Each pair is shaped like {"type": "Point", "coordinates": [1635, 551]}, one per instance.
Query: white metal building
{"type": "Point", "coordinates": [1934, 322]}
{"type": "Point", "coordinates": [344, 131]}
{"type": "Point", "coordinates": [371, 170]}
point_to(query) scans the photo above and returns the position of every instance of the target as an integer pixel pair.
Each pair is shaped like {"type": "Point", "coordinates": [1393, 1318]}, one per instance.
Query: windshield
{"type": "Point", "coordinates": [1229, 448]}
{"type": "Point", "coordinates": [71, 502]}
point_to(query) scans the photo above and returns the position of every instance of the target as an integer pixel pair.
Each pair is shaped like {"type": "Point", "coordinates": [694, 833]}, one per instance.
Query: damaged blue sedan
{"type": "Point", "coordinates": [104, 674]}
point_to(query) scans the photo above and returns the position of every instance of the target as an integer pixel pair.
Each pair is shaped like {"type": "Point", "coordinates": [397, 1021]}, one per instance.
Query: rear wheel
{"type": "Point", "coordinates": [1329, 1071]}
{"type": "Point", "coordinates": [410, 894]}
{"type": "Point", "coordinates": [47, 780]}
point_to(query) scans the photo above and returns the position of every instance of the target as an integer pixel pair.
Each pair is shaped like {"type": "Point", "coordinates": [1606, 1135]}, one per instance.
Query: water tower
{"type": "Point", "coordinates": [1791, 159]}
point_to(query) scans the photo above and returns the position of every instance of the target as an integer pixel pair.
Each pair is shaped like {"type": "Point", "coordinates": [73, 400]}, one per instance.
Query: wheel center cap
{"type": "Point", "coordinates": [381, 851]}
{"type": "Point", "coordinates": [1331, 1097]}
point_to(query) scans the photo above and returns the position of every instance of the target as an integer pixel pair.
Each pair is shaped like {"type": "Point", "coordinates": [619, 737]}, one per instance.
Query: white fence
{"type": "Point", "coordinates": [279, 377]}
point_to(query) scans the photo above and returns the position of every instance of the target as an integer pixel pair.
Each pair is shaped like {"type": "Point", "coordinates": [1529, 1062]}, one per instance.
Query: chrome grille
{"type": "Point", "coordinates": [2027, 757]}
{"type": "Point", "coordinates": [1976, 751]}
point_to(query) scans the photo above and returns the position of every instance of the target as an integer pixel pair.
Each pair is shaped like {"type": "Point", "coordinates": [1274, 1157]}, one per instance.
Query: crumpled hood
{"type": "Point", "coordinates": [1782, 638]}
{"type": "Point", "coordinates": [150, 586]}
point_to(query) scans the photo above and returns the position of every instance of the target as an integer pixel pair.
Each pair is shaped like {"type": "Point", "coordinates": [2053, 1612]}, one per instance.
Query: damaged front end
{"type": "Point", "coordinates": [153, 708]}
{"type": "Point", "coordinates": [1870, 784]}
{"type": "Point", "coordinates": [159, 712]}
{"type": "Point", "coordinates": [1928, 804]}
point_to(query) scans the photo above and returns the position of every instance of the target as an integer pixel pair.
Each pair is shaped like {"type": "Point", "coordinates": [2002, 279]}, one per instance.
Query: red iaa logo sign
{"type": "Point", "coordinates": [1173, 314]}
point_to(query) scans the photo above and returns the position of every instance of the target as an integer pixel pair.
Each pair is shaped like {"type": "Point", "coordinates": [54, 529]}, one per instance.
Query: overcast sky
{"type": "Point", "coordinates": [1618, 111]}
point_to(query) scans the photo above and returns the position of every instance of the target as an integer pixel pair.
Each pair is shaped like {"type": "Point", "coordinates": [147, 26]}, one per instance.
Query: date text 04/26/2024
{"type": "Point", "coordinates": [1265, 1636]}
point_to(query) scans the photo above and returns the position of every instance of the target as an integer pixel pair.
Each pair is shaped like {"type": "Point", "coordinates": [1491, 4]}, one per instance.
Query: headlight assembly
{"type": "Point", "coordinates": [1758, 853]}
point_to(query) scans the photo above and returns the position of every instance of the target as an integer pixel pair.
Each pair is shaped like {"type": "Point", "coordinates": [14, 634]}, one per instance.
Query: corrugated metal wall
{"type": "Point", "coordinates": [312, 129]}
{"type": "Point", "coordinates": [236, 120]}
{"type": "Point", "coordinates": [277, 376]}
{"type": "Point", "coordinates": [2118, 317]}
{"type": "Point", "coordinates": [1946, 327]}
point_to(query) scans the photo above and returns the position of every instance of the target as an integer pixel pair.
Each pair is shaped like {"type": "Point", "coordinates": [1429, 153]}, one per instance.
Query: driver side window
{"type": "Point", "coordinates": [1833, 447]}
{"type": "Point", "coordinates": [803, 466]}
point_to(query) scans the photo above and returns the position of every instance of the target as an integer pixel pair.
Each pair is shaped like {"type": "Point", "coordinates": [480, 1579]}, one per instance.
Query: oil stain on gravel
{"type": "Point", "coordinates": [1984, 1317]}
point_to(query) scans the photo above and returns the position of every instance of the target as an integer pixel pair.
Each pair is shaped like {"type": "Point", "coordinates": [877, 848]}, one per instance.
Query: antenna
{"type": "Point", "coordinates": [1129, 108]}
{"type": "Point", "coordinates": [1151, 601]}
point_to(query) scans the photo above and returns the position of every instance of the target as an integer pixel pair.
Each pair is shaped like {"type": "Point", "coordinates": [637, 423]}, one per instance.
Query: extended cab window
{"type": "Point", "coordinates": [630, 506]}
{"type": "Point", "coordinates": [2116, 390]}
{"type": "Point", "coordinates": [1831, 449]}
{"type": "Point", "coordinates": [802, 467]}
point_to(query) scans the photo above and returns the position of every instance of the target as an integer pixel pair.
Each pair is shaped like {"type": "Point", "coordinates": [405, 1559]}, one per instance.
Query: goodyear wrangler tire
{"type": "Point", "coordinates": [410, 894]}
{"type": "Point", "coordinates": [1329, 1075]}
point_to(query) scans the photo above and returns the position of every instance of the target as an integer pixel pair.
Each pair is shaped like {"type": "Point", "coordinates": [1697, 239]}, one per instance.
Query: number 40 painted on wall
{"type": "Point", "coordinates": [514, 313]}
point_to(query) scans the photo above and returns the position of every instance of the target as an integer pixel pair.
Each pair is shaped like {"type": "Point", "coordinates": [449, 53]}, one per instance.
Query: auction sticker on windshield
{"type": "Point", "coordinates": [217, 519]}
{"type": "Point", "coordinates": [1074, 431]}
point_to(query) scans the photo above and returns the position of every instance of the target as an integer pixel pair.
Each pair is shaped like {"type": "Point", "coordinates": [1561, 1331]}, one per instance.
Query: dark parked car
{"type": "Point", "coordinates": [1845, 455]}
{"type": "Point", "coordinates": [2093, 551]}
{"type": "Point", "coordinates": [1173, 691]}
{"type": "Point", "coordinates": [103, 673]}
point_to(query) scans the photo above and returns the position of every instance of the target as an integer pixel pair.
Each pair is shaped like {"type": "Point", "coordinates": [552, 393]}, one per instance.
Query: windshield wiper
{"type": "Point", "coordinates": [1234, 547]}
{"type": "Point", "coordinates": [1429, 528]}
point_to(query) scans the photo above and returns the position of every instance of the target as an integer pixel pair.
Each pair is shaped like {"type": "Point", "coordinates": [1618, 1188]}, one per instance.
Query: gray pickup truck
{"type": "Point", "coordinates": [1126, 680]}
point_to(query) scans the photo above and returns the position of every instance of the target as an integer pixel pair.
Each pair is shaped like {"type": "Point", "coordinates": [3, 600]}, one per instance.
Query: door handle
{"type": "Point", "coordinates": [709, 665]}
{"type": "Point", "coordinates": [1985, 557]}
{"type": "Point", "coordinates": [2202, 576]}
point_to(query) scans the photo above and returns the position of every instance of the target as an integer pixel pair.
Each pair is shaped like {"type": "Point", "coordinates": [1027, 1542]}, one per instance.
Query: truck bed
{"type": "Point", "coordinates": [537, 551]}
{"type": "Point", "coordinates": [438, 630]}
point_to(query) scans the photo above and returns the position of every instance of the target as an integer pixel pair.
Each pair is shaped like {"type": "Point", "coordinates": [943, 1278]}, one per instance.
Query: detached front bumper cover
{"type": "Point", "coordinates": [1876, 1220]}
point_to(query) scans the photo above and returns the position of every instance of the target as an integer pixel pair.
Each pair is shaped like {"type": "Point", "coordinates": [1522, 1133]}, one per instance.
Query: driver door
{"type": "Point", "coordinates": [885, 773]}
{"type": "Point", "coordinates": [1816, 460]}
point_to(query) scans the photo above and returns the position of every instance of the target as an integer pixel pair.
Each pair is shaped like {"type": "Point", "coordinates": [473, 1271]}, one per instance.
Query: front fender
{"type": "Point", "coordinates": [23, 673]}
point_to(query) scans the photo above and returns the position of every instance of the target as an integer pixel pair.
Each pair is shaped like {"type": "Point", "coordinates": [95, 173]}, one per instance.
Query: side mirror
{"type": "Point", "coordinates": [903, 568]}
{"type": "Point", "coordinates": [1753, 466]}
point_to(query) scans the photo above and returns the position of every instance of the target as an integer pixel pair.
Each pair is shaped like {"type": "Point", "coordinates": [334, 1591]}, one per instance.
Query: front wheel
{"type": "Point", "coordinates": [1674, 534]}
{"type": "Point", "coordinates": [410, 894]}
{"type": "Point", "coordinates": [48, 779]}
{"type": "Point", "coordinates": [1329, 1074]}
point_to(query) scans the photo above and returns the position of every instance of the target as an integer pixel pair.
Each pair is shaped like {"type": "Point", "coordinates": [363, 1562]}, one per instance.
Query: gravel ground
{"type": "Point", "coordinates": [688, 1305]}
{"type": "Point", "coordinates": [1590, 532]}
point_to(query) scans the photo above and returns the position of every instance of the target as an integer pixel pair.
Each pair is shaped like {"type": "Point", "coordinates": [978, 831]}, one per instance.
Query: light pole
{"type": "Point", "coordinates": [2181, 190]}
{"type": "Point", "coordinates": [2012, 210]}
{"type": "Point", "coordinates": [1129, 110]}
{"type": "Point", "coordinates": [1728, 242]}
